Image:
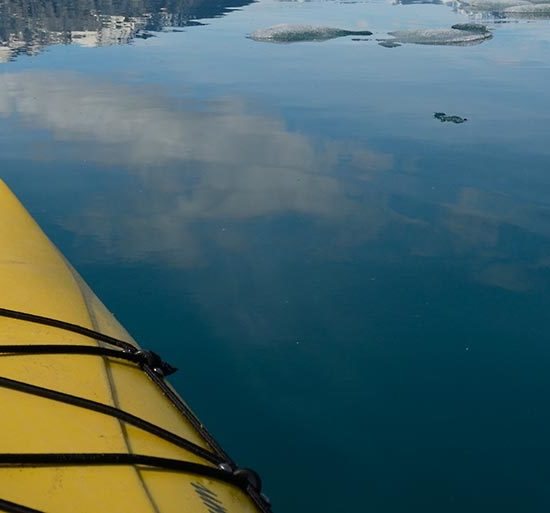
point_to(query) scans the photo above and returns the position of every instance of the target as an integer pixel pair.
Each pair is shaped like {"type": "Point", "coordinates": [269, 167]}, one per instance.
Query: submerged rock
{"type": "Point", "coordinates": [144, 35]}
{"type": "Point", "coordinates": [294, 33]}
{"type": "Point", "coordinates": [388, 43]}
{"type": "Point", "coordinates": [449, 119]}
{"type": "Point", "coordinates": [450, 36]}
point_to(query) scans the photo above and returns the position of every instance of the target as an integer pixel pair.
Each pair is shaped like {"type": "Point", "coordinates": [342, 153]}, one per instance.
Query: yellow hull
{"type": "Point", "coordinates": [35, 278]}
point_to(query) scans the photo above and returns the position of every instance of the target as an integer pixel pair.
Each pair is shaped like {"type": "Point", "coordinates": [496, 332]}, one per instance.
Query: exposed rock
{"type": "Point", "coordinates": [286, 33]}
{"type": "Point", "coordinates": [494, 5]}
{"type": "Point", "coordinates": [529, 10]}
{"type": "Point", "coordinates": [450, 36]}
{"type": "Point", "coordinates": [470, 27]}
{"type": "Point", "coordinates": [444, 118]}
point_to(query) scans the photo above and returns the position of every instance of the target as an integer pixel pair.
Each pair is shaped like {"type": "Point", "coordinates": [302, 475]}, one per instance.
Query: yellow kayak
{"type": "Point", "coordinates": [89, 424]}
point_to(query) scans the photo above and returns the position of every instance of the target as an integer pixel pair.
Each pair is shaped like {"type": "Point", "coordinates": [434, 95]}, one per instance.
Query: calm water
{"type": "Point", "coordinates": [356, 293]}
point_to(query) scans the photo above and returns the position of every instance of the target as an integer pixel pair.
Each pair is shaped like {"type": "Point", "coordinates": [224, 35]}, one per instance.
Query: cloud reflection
{"type": "Point", "coordinates": [199, 161]}
{"type": "Point", "coordinates": [209, 169]}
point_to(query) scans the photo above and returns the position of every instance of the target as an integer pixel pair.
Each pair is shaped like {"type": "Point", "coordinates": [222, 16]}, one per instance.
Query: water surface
{"type": "Point", "coordinates": [356, 294]}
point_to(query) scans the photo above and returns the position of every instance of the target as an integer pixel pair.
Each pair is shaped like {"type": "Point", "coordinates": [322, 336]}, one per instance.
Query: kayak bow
{"type": "Point", "coordinates": [89, 424]}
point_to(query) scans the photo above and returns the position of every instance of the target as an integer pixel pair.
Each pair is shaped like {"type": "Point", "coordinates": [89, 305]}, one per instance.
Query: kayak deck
{"type": "Point", "coordinates": [36, 279]}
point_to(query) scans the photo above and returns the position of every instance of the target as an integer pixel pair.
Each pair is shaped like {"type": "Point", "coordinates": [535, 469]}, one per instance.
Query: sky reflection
{"type": "Point", "coordinates": [207, 165]}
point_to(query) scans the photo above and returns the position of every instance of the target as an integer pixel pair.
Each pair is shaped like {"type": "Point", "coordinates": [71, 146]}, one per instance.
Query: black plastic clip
{"type": "Point", "coordinates": [250, 477]}
{"type": "Point", "coordinates": [155, 362]}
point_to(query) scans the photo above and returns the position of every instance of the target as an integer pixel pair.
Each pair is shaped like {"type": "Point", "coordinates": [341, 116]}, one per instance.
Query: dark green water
{"type": "Point", "coordinates": [356, 293]}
